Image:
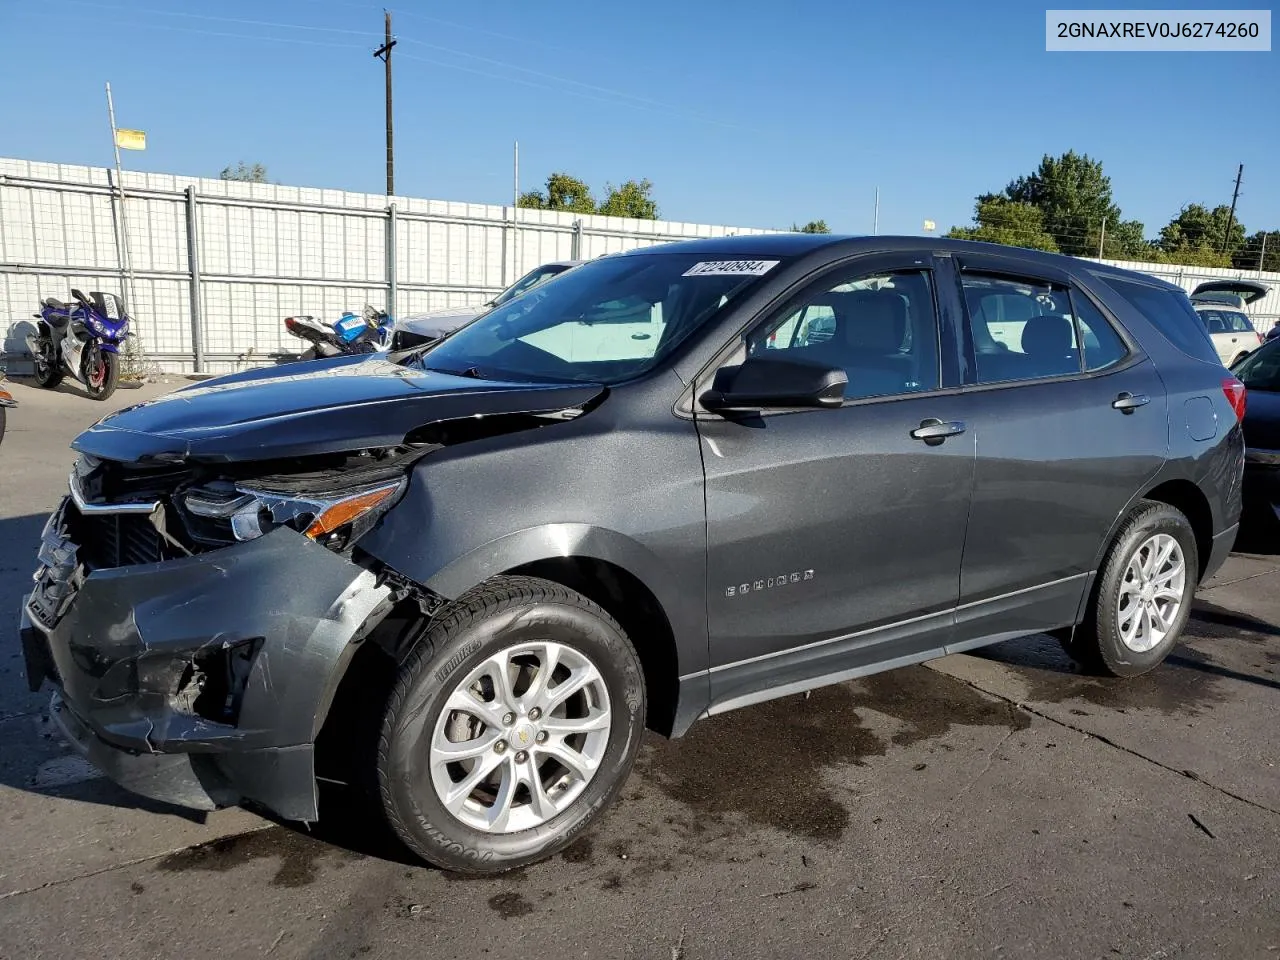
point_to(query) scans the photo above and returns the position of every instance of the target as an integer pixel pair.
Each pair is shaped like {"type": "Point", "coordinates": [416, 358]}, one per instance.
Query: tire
{"type": "Point", "coordinates": [3, 417]}
{"type": "Point", "coordinates": [308, 354]}
{"type": "Point", "coordinates": [1099, 643]}
{"type": "Point", "coordinates": [48, 373]}
{"type": "Point", "coordinates": [102, 384]}
{"type": "Point", "coordinates": [474, 634]}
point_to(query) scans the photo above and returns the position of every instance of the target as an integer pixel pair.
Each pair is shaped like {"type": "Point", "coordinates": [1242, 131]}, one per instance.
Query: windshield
{"type": "Point", "coordinates": [606, 321]}
{"type": "Point", "coordinates": [1260, 370]}
{"type": "Point", "coordinates": [528, 282]}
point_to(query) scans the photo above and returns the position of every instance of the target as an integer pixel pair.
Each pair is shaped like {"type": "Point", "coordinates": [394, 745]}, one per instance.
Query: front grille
{"type": "Point", "coordinates": [109, 540]}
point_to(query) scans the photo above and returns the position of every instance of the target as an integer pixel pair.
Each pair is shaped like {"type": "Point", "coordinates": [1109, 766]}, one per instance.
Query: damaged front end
{"type": "Point", "coordinates": [201, 590]}
{"type": "Point", "coordinates": [195, 620]}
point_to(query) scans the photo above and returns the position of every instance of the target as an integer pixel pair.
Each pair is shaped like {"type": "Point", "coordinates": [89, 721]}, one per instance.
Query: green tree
{"type": "Point", "coordinates": [813, 226]}
{"type": "Point", "coordinates": [1004, 221]}
{"type": "Point", "coordinates": [631, 199]}
{"type": "Point", "coordinates": [1074, 197]}
{"type": "Point", "coordinates": [1251, 255]}
{"type": "Point", "coordinates": [246, 172]}
{"type": "Point", "coordinates": [563, 192]}
{"type": "Point", "coordinates": [1198, 230]}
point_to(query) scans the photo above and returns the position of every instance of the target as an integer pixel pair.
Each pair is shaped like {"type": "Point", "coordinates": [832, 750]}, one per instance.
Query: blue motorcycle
{"type": "Point", "coordinates": [82, 338]}
{"type": "Point", "coordinates": [365, 332]}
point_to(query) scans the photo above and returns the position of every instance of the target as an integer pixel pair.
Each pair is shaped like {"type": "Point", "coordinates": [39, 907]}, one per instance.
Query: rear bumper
{"type": "Point", "coordinates": [200, 681]}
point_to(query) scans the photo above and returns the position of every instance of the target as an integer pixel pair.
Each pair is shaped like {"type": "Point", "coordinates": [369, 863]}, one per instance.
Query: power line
{"type": "Point", "coordinates": [526, 41]}
{"type": "Point", "coordinates": [506, 64]}
{"type": "Point", "coordinates": [560, 90]}
{"type": "Point", "coordinates": [246, 36]}
{"type": "Point", "coordinates": [213, 19]}
{"type": "Point", "coordinates": [543, 75]}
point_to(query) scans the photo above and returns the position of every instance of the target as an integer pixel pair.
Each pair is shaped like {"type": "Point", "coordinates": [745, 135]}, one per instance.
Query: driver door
{"type": "Point", "coordinates": [835, 535]}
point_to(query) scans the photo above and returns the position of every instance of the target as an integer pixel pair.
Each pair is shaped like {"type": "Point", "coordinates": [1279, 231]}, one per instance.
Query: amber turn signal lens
{"type": "Point", "coordinates": [338, 515]}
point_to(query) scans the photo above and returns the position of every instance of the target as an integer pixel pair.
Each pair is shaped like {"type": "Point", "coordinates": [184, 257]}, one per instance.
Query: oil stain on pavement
{"type": "Point", "coordinates": [1187, 684]}
{"type": "Point", "coordinates": [297, 855]}
{"type": "Point", "coordinates": [721, 766]}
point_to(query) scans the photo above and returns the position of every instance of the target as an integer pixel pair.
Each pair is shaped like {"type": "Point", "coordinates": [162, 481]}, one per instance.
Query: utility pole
{"type": "Point", "coordinates": [383, 53]}
{"type": "Point", "coordinates": [875, 223]}
{"type": "Point", "coordinates": [1102, 237]}
{"type": "Point", "coordinates": [1231, 217]}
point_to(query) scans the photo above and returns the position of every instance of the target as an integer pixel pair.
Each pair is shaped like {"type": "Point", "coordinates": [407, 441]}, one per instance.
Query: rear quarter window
{"type": "Point", "coordinates": [1170, 312]}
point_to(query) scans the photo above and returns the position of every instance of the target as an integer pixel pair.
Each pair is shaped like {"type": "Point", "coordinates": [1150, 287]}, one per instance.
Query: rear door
{"type": "Point", "coordinates": [835, 535]}
{"type": "Point", "coordinates": [1070, 420]}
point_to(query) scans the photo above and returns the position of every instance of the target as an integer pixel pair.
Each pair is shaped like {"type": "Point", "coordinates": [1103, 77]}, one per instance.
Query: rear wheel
{"type": "Point", "coordinates": [1143, 595]}
{"type": "Point", "coordinates": [101, 372]}
{"type": "Point", "coordinates": [48, 371]}
{"type": "Point", "coordinates": [510, 727]}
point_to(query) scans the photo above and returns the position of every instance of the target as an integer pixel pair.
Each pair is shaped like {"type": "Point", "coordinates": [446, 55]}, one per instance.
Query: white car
{"type": "Point", "coordinates": [1221, 305]}
{"type": "Point", "coordinates": [420, 328]}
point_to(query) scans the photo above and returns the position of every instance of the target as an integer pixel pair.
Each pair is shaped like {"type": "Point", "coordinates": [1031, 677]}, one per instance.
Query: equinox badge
{"type": "Point", "coordinates": [768, 583]}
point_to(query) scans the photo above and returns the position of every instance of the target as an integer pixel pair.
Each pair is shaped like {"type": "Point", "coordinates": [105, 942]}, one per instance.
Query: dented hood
{"type": "Point", "coordinates": [313, 408]}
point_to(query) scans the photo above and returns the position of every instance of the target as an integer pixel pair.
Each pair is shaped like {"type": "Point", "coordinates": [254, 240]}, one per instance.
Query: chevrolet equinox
{"type": "Point", "coordinates": [669, 483]}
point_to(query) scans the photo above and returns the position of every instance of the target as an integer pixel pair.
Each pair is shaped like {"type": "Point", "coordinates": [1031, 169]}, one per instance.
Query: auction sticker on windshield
{"type": "Point", "coordinates": [731, 268]}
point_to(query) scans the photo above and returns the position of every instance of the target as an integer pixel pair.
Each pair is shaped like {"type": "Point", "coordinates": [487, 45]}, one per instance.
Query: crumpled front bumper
{"type": "Point", "coordinates": [201, 681]}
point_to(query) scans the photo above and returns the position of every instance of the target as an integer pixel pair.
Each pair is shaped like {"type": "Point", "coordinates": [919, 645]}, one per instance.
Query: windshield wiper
{"type": "Point", "coordinates": [472, 372]}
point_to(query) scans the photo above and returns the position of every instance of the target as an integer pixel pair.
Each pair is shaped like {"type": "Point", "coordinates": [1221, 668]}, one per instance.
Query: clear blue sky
{"type": "Point", "coordinates": [747, 114]}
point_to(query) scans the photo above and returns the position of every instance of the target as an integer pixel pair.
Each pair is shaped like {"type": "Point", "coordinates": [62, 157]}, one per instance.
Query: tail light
{"type": "Point", "coordinates": [1235, 393]}
{"type": "Point", "coordinates": [290, 324]}
{"type": "Point", "coordinates": [1261, 338]}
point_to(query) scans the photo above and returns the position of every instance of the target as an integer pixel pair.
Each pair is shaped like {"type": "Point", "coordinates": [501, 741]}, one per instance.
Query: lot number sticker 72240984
{"type": "Point", "coordinates": [731, 268]}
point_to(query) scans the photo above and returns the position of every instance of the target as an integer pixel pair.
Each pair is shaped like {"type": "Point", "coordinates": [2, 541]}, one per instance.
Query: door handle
{"type": "Point", "coordinates": [1128, 402]}
{"type": "Point", "coordinates": [933, 431]}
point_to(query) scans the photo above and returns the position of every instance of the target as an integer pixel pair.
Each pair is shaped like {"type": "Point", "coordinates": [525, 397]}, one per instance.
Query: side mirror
{"type": "Point", "coordinates": [764, 383]}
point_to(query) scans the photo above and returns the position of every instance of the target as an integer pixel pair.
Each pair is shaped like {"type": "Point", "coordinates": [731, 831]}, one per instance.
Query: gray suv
{"type": "Point", "coordinates": [672, 483]}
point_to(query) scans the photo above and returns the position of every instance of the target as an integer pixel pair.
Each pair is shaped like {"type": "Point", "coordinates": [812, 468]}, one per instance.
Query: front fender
{"type": "Point", "coordinates": [684, 609]}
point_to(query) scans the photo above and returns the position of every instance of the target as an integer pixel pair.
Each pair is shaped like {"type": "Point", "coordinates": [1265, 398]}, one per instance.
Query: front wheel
{"type": "Point", "coordinates": [101, 372]}
{"type": "Point", "coordinates": [1143, 594]}
{"type": "Point", "coordinates": [511, 726]}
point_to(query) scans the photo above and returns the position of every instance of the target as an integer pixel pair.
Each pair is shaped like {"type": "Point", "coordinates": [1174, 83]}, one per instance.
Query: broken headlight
{"type": "Point", "coordinates": [334, 520]}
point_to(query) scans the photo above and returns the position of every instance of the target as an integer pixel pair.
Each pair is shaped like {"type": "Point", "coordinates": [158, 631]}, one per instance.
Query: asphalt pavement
{"type": "Point", "coordinates": [992, 805]}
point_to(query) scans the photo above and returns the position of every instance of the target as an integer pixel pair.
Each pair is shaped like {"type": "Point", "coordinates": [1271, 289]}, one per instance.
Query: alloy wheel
{"type": "Point", "coordinates": [1151, 592]}
{"type": "Point", "coordinates": [520, 737]}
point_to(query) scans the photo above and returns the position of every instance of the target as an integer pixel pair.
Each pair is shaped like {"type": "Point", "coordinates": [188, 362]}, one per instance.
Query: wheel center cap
{"type": "Point", "coordinates": [1147, 593]}
{"type": "Point", "coordinates": [522, 735]}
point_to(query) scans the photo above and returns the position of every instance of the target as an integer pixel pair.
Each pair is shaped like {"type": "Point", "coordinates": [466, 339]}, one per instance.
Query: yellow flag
{"type": "Point", "coordinates": [131, 139]}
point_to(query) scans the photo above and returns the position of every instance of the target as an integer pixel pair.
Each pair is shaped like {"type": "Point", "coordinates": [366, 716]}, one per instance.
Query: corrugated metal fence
{"type": "Point", "coordinates": [217, 264]}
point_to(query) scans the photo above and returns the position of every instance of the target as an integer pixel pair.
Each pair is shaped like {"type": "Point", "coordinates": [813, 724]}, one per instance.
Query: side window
{"type": "Point", "coordinates": [1170, 312]}
{"type": "Point", "coordinates": [1102, 345]}
{"type": "Point", "coordinates": [1238, 322]}
{"type": "Point", "coordinates": [881, 329]}
{"type": "Point", "coordinates": [1021, 329]}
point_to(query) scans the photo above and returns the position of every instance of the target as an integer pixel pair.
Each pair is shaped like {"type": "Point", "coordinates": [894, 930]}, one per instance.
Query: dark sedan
{"type": "Point", "coordinates": [1260, 372]}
